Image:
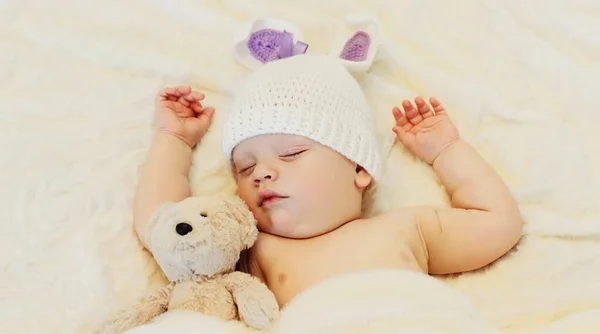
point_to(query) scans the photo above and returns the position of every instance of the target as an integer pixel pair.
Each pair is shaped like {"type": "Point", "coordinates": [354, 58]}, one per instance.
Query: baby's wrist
{"type": "Point", "coordinates": [184, 140]}
{"type": "Point", "coordinates": [445, 150]}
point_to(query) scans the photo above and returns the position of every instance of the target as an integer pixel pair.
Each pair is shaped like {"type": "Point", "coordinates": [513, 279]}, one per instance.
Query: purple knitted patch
{"type": "Point", "coordinates": [270, 44]}
{"type": "Point", "coordinates": [264, 44]}
{"type": "Point", "coordinates": [357, 47]}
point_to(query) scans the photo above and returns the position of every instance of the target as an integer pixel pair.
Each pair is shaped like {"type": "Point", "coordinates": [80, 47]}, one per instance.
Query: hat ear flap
{"type": "Point", "coordinates": [242, 214]}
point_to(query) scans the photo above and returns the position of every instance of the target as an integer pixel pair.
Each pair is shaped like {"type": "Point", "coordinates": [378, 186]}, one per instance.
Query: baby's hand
{"type": "Point", "coordinates": [180, 113]}
{"type": "Point", "coordinates": [425, 132]}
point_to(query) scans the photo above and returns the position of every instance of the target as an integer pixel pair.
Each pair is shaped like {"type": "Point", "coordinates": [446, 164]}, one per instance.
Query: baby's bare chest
{"type": "Point", "coordinates": [300, 264]}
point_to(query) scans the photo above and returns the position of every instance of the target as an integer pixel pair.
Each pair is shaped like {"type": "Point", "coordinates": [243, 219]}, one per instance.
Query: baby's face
{"type": "Point", "coordinates": [296, 187]}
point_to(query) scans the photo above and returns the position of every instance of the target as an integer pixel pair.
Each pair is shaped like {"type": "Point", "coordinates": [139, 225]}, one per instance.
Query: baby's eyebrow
{"type": "Point", "coordinates": [240, 155]}
{"type": "Point", "coordinates": [292, 147]}
{"type": "Point", "coordinates": [296, 143]}
{"type": "Point", "coordinates": [240, 160]}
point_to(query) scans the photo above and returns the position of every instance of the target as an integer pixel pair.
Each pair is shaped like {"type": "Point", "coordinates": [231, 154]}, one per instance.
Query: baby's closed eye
{"type": "Point", "coordinates": [245, 168]}
{"type": "Point", "coordinates": [292, 155]}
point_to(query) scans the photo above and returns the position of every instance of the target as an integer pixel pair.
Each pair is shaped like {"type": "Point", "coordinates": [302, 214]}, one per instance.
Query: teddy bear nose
{"type": "Point", "coordinates": [183, 228]}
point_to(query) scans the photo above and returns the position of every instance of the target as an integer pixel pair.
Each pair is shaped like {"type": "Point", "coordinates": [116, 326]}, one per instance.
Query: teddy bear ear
{"type": "Point", "coordinates": [245, 218]}
{"type": "Point", "coordinates": [153, 221]}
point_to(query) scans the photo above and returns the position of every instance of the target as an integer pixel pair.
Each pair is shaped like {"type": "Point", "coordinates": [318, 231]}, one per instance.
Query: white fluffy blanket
{"type": "Point", "coordinates": [377, 301]}
{"type": "Point", "coordinates": [77, 80]}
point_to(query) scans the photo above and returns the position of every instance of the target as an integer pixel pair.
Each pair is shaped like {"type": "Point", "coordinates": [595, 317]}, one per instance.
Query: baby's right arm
{"type": "Point", "coordinates": [164, 176]}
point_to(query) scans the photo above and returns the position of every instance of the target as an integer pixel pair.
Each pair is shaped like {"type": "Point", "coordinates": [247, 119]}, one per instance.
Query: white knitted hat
{"type": "Point", "coordinates": [308, 95]}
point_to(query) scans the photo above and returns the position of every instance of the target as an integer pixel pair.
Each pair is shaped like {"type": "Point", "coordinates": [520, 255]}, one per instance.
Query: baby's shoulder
{"type": "Point", "coordinates": [402, 219]}
{"type": "Point", "coordinates": [260, 255]}
{"type": "Point", "coordinates": [403, 223]}
{"type": "Point", "coordinates": [249, 263]}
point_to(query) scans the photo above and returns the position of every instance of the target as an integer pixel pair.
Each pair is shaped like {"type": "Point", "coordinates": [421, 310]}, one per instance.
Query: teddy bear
{"type": "Point", "coordinates": [197, 243]}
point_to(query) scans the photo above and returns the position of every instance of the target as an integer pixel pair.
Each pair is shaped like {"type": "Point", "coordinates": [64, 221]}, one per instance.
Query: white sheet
{"type": "Point", "coordinates": [77, 83]}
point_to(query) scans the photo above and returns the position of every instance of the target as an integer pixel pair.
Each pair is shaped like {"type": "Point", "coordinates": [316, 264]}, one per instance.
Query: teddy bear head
{"type": "Point", "coordinates": [200, 236]}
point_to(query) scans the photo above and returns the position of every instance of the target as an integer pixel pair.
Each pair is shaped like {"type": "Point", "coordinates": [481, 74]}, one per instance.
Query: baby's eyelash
{"type": "Point", "coordinates": [245, 169]}
{"type": "Point", "coordinates": [291, 155]}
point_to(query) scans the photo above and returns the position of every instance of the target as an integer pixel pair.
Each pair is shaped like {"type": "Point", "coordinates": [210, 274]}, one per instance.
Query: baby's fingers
{"type": "Point", "coordinates": [401, 119]}
{"type": "Point", "coordinates": [166, 91]}
{"type": "Point", "coordinates": [196, 107]}
{"type": "Point", "coordinates": [194, 96]}
{"type": "Point", "coordinates": [176, 91]}
{"type": "Point", "coordinates": [183, 90]}
{"type": "Point", "coordinates": [208, 111]}
{"type": "Point", "coordinates": [184, 101]}
{"type": "Point", "coordinates": [205, 117]}
{"type": "Point", "coordinates": [404, 136]}
{"type": "Point", "coordinates": [413, 115]}
{"type": "Point", "coordinates": [423, 107]}
{"type": "Point", "coordinates": [164, 94]}
{"type": "Point", "coordinates": [172, 93]}
{"type": "Point", "coordinates": [437, 106]}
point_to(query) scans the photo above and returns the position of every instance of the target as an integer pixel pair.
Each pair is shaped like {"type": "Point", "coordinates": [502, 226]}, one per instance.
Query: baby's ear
{"type": "Point", "coordinates": [362, 179]}
{"type": "Point", "coordinates": [245, 218]}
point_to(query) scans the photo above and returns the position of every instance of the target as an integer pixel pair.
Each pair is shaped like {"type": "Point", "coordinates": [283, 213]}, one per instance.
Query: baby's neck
{"type": "Point", "coordinates": [309, 237]}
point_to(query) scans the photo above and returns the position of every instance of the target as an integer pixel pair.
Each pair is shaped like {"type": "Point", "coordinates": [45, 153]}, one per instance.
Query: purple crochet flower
{"type": "Point", "coordinates": [270, 44]}
{"type": "Point", "coordinates": [357, 47]}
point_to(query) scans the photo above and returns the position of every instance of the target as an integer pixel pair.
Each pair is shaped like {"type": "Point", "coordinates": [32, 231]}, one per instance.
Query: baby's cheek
{"type": "Point", "coordinates": [280, 217]}
{"type": "Point", "coordinates": [262, 226]}
{"type": "Point", "coordinates": [245, 195]}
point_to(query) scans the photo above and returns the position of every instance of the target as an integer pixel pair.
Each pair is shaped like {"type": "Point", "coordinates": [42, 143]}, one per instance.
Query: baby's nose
{"type": "Point", "coordinates": [183, 228]}
{"type": "Point", "coordinates": [263, 173]}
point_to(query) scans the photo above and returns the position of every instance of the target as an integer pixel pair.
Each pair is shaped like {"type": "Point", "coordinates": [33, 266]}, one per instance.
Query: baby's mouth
{"type": "Point", "coordinates": [268, 201]}
{"type": "Point", "coordinates": [268, 196]}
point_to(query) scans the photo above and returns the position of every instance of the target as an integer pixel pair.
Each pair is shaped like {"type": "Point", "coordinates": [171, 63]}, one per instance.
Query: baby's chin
{"type": "Point", "coordinates": [284, 225]}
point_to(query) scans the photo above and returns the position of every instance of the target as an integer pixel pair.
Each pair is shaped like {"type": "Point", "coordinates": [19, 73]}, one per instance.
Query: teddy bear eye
{"type": "Point", "coordinates": [203, 214]}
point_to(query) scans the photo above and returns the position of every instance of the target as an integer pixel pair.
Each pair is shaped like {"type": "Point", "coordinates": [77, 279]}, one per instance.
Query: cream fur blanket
{"type": "Point", "coordinates": [378, 301]}
{"type": "Point", "coordinates": [77, 80]}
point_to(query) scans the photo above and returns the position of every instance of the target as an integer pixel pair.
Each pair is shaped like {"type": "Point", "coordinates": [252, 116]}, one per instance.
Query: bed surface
{"type": "Point", "coordinates": [77, 83]}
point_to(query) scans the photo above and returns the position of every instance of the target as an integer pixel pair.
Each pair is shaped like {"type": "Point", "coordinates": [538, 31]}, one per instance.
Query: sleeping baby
{"type": "Point", "coordinates": [301, 145]}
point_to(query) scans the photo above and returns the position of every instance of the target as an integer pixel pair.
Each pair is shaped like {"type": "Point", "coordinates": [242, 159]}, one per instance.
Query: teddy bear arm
{"type": "Point", "coordinates": [142, 312]}
{"type": "Point", "coordinates": [256, 304]}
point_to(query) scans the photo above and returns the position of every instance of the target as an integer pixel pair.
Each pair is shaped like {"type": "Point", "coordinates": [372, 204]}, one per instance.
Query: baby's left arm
{"type": "Point", "coordinates": [484, 222]}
